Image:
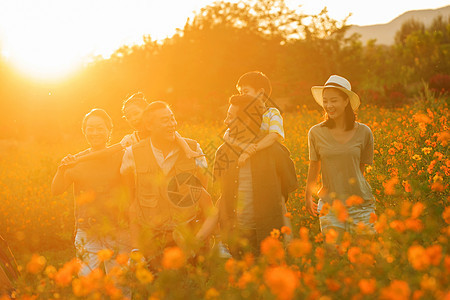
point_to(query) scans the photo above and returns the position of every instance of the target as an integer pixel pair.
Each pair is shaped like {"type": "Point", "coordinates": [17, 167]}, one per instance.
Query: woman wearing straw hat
{"type": "Point", "coordinates": [339, 149]}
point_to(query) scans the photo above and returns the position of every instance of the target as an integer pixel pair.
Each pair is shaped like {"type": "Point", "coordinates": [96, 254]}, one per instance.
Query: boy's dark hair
{"type": "Point", "coordinates": [136, 99]}
{"type": "Point", "coordinates": [257, 80]}
{"type": "Point", "coordinates": [349, 114]}
{"type": "Point", "coordinates": [97, 112]}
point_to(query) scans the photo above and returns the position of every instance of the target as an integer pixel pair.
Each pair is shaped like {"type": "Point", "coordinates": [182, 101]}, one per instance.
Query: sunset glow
{"type": "Point", "coordinates": [50, 39]}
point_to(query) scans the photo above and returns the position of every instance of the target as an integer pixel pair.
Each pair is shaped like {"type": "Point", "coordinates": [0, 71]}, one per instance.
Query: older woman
{"type": "Point", "coordinates": [339, 149]}
{"type": "Point", "coordinates": [252, 201]}
{"type": "Point", "coordinates": [100, 205]}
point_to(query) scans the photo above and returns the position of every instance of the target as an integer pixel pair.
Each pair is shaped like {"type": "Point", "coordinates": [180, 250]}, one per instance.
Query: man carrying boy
{"type": "Point", "coordinates": [257, 85]}
{"type": "Point", "coordinates": [252, 196]}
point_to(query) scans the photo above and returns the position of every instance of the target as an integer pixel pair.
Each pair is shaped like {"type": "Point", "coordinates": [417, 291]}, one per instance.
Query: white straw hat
{"type": "Point", "coordinates": [340, 83]}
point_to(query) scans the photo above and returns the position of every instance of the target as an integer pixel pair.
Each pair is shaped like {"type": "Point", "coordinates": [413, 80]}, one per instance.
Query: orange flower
{"type": "Point", "coordinates": [381, 224]}
{"type": "Point", "coordinates": [245, 279]}
{"type": "Point", "coordinates": [354, 200]}
{"type": "Point", "coordinates": [105, 254]}
{"type": "Point", "coordinates": [286, 230]}
{"type": "Point", "coordinates": [397, 290]}
{"type": "Point", "coordinates": [398, 225]}
{"type": "Point", "coordinates": [299, 248]}
{"type": "Point", "coordinates": [447, 263]}
{"type": "Point", "coordinates": [173, 258]}
{"type": "Point", "coordinates": [444, 137]}
{"type": "Point", "coordinates": [367, 286]}
{"type": "Point", "coordinates": [418, 258]}
{"type": "Point", "coordinates": [272, 249]}
{"type": "Point", "coordinates": [340, 210]}
{"type": "Point", "coordinates": [428, 282]}
{"type": "Point", "coordinates": [332, 285]}
{"type": "Point", "coordinates": [406, 186]}
{"type": "Point", "coordinates": [373, 218]}
{"type": "Point", "coordinates": [64, 275]}
{"type": "Point", "coordinates": [230, 265]}
{"type": "Point", "coordinates": [36, 264]}
{"type": "Point", "coordinates": [288, 215]}
{"type": "Point", "coordinates": [446, 215]}
{"type": "Point", "coordinates": [353, 254]}
{"type": "Point", "coordinates": [366, 259]}
{"type": "Point", "coordinates": [122, 259]}
{"type": "Point", "coordinates": [417, 209]}
{"type": "Point", "coordinates": [414, 224]}
{"type": "Point", "coordinates": [319, 253]}
{"type": "Point", "coordinates": [421, 118]}
{"type": "Point", "coordinates": [437, 186]}
{"type": "Point", "coordinates": [389, 186]}
{"type": "Point", "coordinates": [331, 236]}
{"type": "Point", "coordinates": [391, 151]}
{"type": "Point", "coordinates": [434, 253]}
{"type": "Point", "coordinates": [399, 146]}
{"type": "Point", "coordinates": [282, 282]}
{"type": "Point", "coordinates": [304, 233]}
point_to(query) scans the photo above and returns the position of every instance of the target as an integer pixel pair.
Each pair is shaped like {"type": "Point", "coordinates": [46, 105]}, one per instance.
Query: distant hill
{"type": "Point", "coordinates": [385, 33]}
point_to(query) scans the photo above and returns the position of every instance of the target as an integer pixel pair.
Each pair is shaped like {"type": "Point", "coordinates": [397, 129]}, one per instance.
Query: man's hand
{"type": "Point", "coordinates": [250, 149]}
{"type": "Point", "coordinates": [67, 161]}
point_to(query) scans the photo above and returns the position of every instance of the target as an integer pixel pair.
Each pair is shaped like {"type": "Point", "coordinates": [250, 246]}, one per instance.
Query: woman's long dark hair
{"type": "Point", "coordinates": [349, 114]}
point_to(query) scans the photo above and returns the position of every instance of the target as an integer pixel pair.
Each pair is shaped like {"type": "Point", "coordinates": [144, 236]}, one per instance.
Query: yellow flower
{"type": "Point", "coordinates": [143, 275]}
{"type": "Point", "coordinates": [417, 157]}
{"type": "Point", "coordinates": [426, 150]}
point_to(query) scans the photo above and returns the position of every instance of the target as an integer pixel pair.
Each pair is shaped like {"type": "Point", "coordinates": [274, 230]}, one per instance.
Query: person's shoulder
{"type": "Point", "coordinates": [318, 128]}
{"type": "Point", "coordinates": [364, 128]}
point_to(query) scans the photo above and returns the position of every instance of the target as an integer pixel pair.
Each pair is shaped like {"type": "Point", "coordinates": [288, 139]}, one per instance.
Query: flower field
{"type": "Point", "coordinates": [409, 258]}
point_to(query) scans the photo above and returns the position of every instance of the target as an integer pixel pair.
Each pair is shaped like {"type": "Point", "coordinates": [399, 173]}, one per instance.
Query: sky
{"type": "Point", "coordinates": [52, 38]}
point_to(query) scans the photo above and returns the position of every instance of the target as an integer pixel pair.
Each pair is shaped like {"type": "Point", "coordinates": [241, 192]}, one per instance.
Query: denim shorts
{"type": "Point", "coordinates": [356, 214]}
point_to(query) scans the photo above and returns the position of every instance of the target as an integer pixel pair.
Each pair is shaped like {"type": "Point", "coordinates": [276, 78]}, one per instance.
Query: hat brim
{"type": "Point", "coordinates": [353, 97]}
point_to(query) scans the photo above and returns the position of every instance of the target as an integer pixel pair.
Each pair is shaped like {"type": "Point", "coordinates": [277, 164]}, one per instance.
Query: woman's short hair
{"type": "Point", "coordinates": [98, 112]}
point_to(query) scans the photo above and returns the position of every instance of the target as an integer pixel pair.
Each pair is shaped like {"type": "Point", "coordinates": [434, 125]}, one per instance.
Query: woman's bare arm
{"type": "Point", "coordinates": [313, 174]}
